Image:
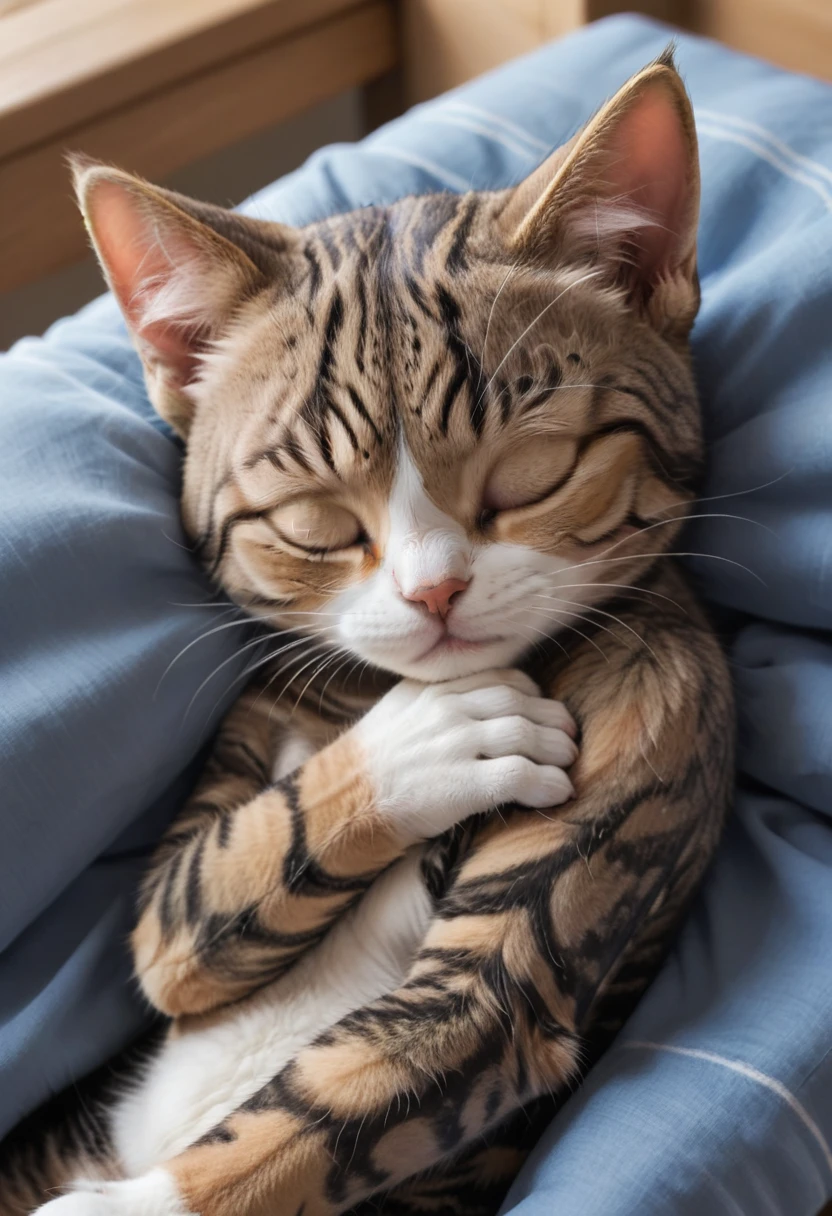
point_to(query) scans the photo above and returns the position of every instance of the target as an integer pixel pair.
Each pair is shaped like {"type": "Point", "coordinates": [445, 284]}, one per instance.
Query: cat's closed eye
{"type": "Point", "coordinates": [527, 474]}
{"type": "Point", "coordinates": [317, 526]}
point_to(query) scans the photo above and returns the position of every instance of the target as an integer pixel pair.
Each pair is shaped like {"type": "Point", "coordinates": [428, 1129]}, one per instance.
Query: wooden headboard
{"type": "Point", "coordinates": [796, 34]}
{"type": "Point", "coordinates": [154, 86]}
{"type": "Point", "coordinates": [445, 42]}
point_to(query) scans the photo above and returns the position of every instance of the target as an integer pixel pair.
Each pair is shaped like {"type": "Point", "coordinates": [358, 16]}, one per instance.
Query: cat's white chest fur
{"type": "Point", "coordinates": [202, 1074]}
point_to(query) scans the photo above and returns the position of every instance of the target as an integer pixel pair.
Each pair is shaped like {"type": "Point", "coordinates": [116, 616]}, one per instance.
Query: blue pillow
{"type": "Point", "coordinates": [717, 1097]}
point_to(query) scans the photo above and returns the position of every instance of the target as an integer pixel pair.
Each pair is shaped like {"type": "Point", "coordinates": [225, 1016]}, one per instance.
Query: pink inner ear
{"type": "Point", "coordinates": [649, 167]}
{"type": "Point", "coordinates": [125, 241]}
{"type": "Point", "coordinates": [151, 269]}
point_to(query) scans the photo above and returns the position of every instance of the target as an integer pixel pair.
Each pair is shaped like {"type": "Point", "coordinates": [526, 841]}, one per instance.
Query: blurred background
{"type": "Point", "coordinates": [216, 98]}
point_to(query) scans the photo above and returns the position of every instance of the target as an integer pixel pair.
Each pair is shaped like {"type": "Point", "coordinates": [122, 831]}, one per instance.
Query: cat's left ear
{"type": "Point", "coordinates": [623, 194]}
{"type": "Point", "coordinates": [180, 270]}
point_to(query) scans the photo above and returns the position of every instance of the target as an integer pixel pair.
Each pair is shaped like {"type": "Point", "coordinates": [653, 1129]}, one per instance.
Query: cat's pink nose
{"type": "Point", "coordinates": [438, 598]}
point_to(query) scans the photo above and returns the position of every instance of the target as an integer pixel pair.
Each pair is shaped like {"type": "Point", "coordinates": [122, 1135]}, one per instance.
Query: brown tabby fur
{"type": "Point", "coordinates": [547, 927]}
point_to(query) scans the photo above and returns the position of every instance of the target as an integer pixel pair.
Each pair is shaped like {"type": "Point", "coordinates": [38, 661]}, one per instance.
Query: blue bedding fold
{"type": "Point", "coordinates": [717, 1098]}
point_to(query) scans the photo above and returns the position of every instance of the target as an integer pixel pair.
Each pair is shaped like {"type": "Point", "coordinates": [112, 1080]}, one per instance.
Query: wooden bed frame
{"type": "Point", "coordinates": [447, 41]}
{"type": "Point", "coordinates": [154, 84]}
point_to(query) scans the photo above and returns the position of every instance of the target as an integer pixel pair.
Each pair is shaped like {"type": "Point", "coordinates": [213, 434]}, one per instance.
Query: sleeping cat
{"type": "Point", "coordinates": [442, 451]}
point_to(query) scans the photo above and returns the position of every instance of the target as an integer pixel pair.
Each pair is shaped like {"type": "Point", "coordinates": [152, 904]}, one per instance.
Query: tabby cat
{"type": "Point", "coordinates": [441, 450]}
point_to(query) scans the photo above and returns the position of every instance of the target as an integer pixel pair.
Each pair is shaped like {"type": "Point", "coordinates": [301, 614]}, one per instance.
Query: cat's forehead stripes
{"type": "Point", "coordinates": [386, 335]}
{"type": "Point", "coordinates": [411, 320]}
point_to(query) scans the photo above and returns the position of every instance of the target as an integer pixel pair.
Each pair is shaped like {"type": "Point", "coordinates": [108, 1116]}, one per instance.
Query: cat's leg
{"type": "Point", "coordinates": [390, 1091]}
{"type": "Point", "coordinates": [549, 917]}
{"type": "Point", "coordinates": [369, 950]}
{"type": "Point", "coordinates": [190, 1084]}
{"type": "Point", "coordinates": [208, 1067]}
{"type": "Point", "coordinates": [474, 1185]}
{"type": "Point", "coordinates": [239, 890]}
{"type": "Point", "coordinates": [397, 1087]}
{"type": "Point", "coordinates": [476, 1182]}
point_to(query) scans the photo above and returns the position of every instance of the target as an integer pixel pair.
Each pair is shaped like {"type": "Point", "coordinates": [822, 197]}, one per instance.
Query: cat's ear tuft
{"type": "Point", "coordinates": [623, 194]}
{"type": "Point", "coordinates": [178, 281]}
{"type": "Point", "coordinates": [667, 58]}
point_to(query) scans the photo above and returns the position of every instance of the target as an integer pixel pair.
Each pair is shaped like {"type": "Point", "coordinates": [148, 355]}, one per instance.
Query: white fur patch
{"type": "Point", "coordinates": [155, 1194]}
{"type": "Point", "coordinates": [296, 750]}
{"type": "Point", "coordinates": [201, 1075]}
{"type": "Point", "coordinates": [425, 546]}
{"type": "Point", "coordinates": [606, 221]}
{"type": "Point", "coordinates": [511, 600]}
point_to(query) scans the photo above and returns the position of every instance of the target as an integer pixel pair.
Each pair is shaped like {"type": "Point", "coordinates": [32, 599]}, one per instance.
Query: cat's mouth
{"type": "Point", "coordinates": [451, 643]}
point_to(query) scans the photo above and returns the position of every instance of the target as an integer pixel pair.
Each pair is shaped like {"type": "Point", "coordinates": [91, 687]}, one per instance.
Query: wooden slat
{"type": "Point", "coordinates": [40, 230]}
{"type": "Point", "coordinates": [64, 62]}
{"type": "Point", "coordinates": [447, 42]}
{"type": "Point", "coordinates": [795, 34]}
{"type": "Point", "coordinates": [8, 6]}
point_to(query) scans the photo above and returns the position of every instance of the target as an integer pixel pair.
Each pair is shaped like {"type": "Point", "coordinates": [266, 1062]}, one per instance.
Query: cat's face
{"type": "Point", "coordinates": [427, 495]}
{"type": "Point", "coordinates": [430, 435]}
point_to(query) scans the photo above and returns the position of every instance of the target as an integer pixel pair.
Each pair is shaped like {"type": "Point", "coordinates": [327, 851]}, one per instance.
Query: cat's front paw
{"type": "Point", "coordinates": [153, 1194]}
{"type": "Point", "coordinates": [76, 1203]}
{"type": "Point", "coordinates": [438, 753]}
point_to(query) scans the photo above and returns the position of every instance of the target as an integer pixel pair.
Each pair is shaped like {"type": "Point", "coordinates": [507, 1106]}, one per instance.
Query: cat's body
{"type": "Point", "coordinates": [430, 436]}
{"type": "Point", "coordinates": [210, 1068]}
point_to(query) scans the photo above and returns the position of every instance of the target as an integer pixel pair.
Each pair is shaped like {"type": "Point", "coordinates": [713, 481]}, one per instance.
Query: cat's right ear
{"type": "Point", "coordinates": [178, 278]}
{"type": "Point", "coordinates": [623, 197]}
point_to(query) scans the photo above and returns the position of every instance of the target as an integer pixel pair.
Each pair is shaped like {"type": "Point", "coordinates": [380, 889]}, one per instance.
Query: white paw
{"type": "Point", "coordinates": [154, 1194]}
{"type": "Point", "coordinates": [438, 753]}
{"type": "Point", "coordinates": [74, 1204]}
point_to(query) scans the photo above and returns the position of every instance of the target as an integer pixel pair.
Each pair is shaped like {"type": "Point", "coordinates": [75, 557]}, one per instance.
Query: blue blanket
{"type": "Point", "coordinates": [717, 1098]}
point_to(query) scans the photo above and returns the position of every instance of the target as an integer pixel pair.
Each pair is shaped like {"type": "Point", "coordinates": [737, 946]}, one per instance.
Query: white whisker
{"type": "Point", "coordinates": [611, 616]}
{"type": "Point", "coordinates": [623, 587]}
{"type": "Point", "coordinates": [206, 604]}
{"type": "Point", "coordinates": [547, 637]}
{"type": "Point", "coordinates": [740, 493]}
{"type": "Point", "coordinates": [208, 633]}
{"type": "Point", "coordinates": [508, 275]}
{"type": "Point", "coordinates": [634, 557]}
{"type": "Point", "coordinates": [580, 633]}
{"type": "Point", "coordinates": [295, 675]}
{"type": "Point", "coordinates": [340, 666]}
{"type": "Point", "coordinates": [743, 519]}
{"type": "Point", "coordinates": [329, 659]}
{"type": "Point", "coordinates": [661, 523]}
{"type": "Point", "coordinates": [284, 667]}
{"type": "Point", "coordinates": [248, 671]}
{"type": "Point", "coordinates": [592, 274]}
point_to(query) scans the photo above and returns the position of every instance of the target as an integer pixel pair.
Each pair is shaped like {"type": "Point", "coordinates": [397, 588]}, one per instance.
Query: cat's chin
{"type": "Point", "coordinates": [450, 658]}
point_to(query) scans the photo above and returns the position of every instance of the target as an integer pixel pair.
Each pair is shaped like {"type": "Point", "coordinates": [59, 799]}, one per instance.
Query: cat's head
{"type": "Point", "coordinates": [432, 432]}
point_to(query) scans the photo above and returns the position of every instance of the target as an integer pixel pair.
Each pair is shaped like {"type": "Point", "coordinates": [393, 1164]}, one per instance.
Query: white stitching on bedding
{"type": "Point", "coordinates": [420, 162]}
{"type": "Point", "coordinates": [467, 125]}
{"type": "Point", "coordinates": [723, 1191]}
{"type": "Point", "coordinates": [751, 1074]}
{"type": "Point", "coordinates": [512, 127]}
{"type": "Point", "coordinates": [769, 155]}
{"type": "Point", "coordinates": [773, 151]}
{"type": "Point", "coordinates": [778, 154]}
{"type": "Point", "coordinates": [733, 120]}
